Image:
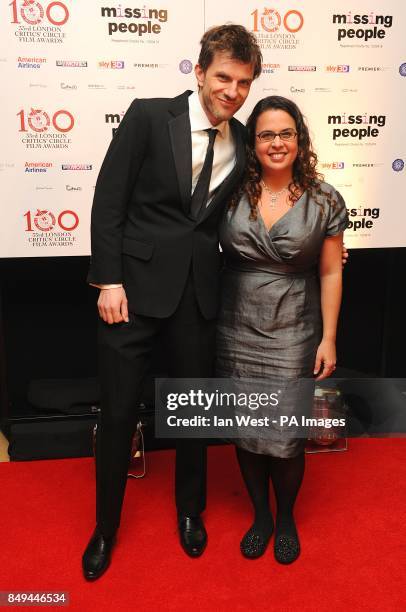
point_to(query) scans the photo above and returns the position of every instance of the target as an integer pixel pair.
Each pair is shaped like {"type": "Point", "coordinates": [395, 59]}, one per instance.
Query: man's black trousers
{"type": "Point", "coordinates": [125, 351]}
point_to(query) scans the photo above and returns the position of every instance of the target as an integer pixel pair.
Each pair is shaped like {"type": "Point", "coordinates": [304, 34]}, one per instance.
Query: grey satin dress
{"type": "Point", "coordinates": [270, 322]}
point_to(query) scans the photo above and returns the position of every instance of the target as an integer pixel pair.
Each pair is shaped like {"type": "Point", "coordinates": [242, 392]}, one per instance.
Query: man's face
{"type": "Point", "coordinates": [224, 86]}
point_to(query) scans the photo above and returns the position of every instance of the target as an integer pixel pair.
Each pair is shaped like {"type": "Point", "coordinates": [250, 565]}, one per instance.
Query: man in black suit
{"type": "Point", "coordinates": [161, 191]}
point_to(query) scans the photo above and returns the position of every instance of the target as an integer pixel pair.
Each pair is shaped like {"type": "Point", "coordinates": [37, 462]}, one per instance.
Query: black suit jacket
{"type": "Point", "coordinates": [142, 232]}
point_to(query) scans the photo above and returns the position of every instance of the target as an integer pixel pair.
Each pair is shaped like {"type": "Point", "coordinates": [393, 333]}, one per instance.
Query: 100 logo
{"type": "Point", "coordinates": [33, 12]}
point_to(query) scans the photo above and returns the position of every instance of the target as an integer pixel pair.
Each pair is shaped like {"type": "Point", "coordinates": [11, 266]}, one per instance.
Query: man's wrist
{"type": "Point", "coordinates": [113, 286]}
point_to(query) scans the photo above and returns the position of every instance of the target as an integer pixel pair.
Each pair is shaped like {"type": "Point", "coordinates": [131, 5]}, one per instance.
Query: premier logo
{"type": "Point", "coordinates": [371, 68]}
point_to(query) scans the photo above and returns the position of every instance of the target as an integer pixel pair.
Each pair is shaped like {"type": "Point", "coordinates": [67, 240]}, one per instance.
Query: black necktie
{"type": "Point", "coordinates": [199, 197]}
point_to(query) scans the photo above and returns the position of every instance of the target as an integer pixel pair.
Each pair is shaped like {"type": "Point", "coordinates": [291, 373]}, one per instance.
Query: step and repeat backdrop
{"type": "Point", "coordinates": [70, 70]}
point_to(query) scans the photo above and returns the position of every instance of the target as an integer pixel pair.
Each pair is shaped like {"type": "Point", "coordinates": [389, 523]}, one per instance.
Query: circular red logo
{"type": "Point", "coordinates": [44, 220]}
{"type": "Point", "coordinates": [270, 20]}
{"type": "Point", "coordinates": [38, 120]}
{"type": "Point", "coordinates": [32, 12]}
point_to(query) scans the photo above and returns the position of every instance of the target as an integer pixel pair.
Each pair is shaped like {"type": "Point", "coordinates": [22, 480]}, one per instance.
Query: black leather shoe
{"type": "Point", "coordinates": [97, 555]}
{"type": "Point", "coordinates": [193, 535]}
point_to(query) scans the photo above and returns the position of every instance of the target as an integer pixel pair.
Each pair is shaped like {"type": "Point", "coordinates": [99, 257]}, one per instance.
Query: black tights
{"type": "Point", "coordinates": [286, 476]}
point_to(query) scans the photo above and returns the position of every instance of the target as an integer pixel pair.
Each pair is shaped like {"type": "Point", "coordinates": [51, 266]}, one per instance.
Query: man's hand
{"type": "Point", "coordinates": [113, 306]}
{"type": "Point", "coordinates": [344, 256]}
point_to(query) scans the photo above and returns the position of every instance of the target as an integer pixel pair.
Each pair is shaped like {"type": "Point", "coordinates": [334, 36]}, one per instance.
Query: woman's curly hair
{"type": "Point", "coordinates": [304, 175]}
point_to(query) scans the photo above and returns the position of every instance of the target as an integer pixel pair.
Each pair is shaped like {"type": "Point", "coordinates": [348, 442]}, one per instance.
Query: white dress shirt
{"type": "Point", "coordinates": [224, 157]}
{"type": "Point", "coordinates": [224, 148]}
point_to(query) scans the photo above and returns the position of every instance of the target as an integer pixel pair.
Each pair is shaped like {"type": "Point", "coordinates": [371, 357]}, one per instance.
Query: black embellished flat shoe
{"type": "Point", "coordinates": [286, 548]}
{"type": "Point", "coordinates": [254, 543]}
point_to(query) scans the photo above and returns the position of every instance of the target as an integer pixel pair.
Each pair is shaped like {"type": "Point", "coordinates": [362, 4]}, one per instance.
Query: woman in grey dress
{"type": "Point", "coordinates": [281, 293]}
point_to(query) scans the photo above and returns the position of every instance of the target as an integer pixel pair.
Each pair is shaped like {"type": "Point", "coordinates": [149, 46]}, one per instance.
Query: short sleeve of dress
{"type": "Point", "coordinates": [338, 219]}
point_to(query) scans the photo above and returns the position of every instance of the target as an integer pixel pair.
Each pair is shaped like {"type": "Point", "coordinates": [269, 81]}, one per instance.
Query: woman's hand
{"type": "Point", "coordinates": [325, 363]}
{"type": "Point", "coordinates": [344, 255]}
{"type": "Point", "coordinates": [330, 270]}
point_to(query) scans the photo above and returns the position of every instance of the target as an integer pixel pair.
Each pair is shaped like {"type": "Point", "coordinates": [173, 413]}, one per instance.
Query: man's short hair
{"type": "Point", "coordinates": [237, 40]}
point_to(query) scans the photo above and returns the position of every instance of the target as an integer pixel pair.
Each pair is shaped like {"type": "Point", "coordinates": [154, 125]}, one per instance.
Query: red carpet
{"type": "Point", "coordinates": [350, 516]}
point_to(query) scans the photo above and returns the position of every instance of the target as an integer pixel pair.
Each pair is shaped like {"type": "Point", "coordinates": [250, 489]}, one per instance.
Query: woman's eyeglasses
{"type": "Point", "coordinates": [268, 136]}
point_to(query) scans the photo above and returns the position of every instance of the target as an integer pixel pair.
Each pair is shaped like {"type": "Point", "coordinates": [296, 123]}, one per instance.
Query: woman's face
{"type": "Point", "coordinates": [278, 155]}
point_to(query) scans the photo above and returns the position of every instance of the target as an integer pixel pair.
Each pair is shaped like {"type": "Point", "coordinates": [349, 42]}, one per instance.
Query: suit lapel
{"type": "Point", "coordinates": [227, 186]}
{"type": "Point", "coordinates": [181, 142]}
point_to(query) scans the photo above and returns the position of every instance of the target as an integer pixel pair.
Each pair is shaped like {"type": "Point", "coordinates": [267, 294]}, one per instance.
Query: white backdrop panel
{"type": "Point", "coordinates": [71, 70]}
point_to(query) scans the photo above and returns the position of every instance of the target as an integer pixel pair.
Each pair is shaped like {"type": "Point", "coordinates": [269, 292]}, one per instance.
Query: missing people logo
{"type": "Point", "coordinates": [356, 29]}
{"type": "Point", "coordinates": [362, 218]}
{"type": "Point", "coordinates": [138, 22]}
{"type": "Point", "coordinates": [352, 128]}
{"type": "Point", "coordinates": [113, 119]}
